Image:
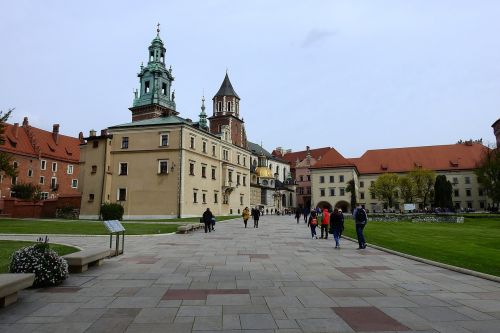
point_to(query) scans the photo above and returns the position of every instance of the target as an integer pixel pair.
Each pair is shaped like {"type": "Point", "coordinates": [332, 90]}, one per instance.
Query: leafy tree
{"type": "Point", "coordinates": [25, 191]}
{"type": "Point", "coordinates": [6, 164]}
{"type": "Point", "coordinates": [423, 181]}
{"type": "Point", "coordinates": [351, 188]}
{"type": "Point", "coordinates": [442, 192]}
{"type": "Point", "coordinates": [384, 188]}
{"type": "Point", "coordinates": [407, 189]}
{"type": "Point", "coordinates": [488, 174]}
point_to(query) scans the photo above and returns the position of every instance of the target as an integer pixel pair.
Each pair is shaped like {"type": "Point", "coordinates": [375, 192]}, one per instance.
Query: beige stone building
{"type": "Point", "coordinates": [161, 165]}
{"type": "Point", "coordinates": [457, 162]}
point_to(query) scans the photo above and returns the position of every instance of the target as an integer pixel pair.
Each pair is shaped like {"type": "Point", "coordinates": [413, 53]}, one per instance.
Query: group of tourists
{"type": "Point", "coordinates": [333, 223]}
{"type": "Point", "coordinates": [255, 213]}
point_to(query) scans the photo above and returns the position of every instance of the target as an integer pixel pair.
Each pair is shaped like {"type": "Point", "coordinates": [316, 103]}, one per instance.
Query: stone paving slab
{"type": "Point", "coordinates": [271, 279]}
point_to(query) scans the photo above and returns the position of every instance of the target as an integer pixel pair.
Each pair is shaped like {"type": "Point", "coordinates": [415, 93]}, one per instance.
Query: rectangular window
{"type": "Point", "coordinates": [321, 179]}
{"type": "Point", "coordinates": [301, 178]}
{"type": "Point", "coordinates": [308, 190]}
{"type": "Point", "coordinates": [204, 147]}
{"type": "Point", "coordinates": [54, 166]}
{"type": "Point", "coordinates": [125, 142]}
{"type": "Point", "coordinates": [467, 180]}
{"type": "Point", "coordinates": [123, 169]}
{"type": "Point", "coordinates": [213, 150]}
{"type": "Point", "coordinates": [237, 180]}
{"type": "Point", "coordinates": [42, 180]}
{"type": "Point", "coordinates": [455, 180]}
{"type": "Point", "coordinates": [215, 198]}
{"type": "Point", "coordinates": [195, 197]}
{"type": "Point", "coordinates": [13, 181]}
{"type": "Point", "coordinates": [341, 178]}
{"type": "Point", "coordinates": [146, 87]}
{"type": "Point", "coordinates": [53, 183]}
{"type": "Point", "coordinates": [362, 195]}
{"type": "Point", "coordinates": [468, 192]}
{"type": "Point", "coordinates": [203, 171]}
{"type": "Point", "coordinates": [342, 191]}
{"type": "Point", "coordinates": [204, 198]}
{"type": "Point", "coordinates": [225, 155]}
{"type": "Point", "coordinates": [44, 195]}
{"type": "Point", "coordinates": [244, 160]}
{"type": "Point", "coordinates": [244, 181]}
{"type": "Point", "coordinates": [238, 159]}
{"type": "Point", "coordinates": [163, 167]}
{"type": "Point", "coordinates": [94, 169]}
{"type": "Point", "coordinates": [30, 172]}
{"type": "Point", "coordinates": [191, 143]}
{"type": "Point", "coordinates": [241, 199]}
{"type": "Point", "coordinates": [332, 192]}
{"type": "Point", "coordinates": [164, 140]}
{"type": "Point", "coordinates": [332, 179]}
{"type": "Point", "coordinates": [321, 192]}
{"type": "Point", "coordinates": [308, 178]}
{"type": "Point", "coordinates": [122, 194]}
{"type": "Point", "coordinates": [70, 169]}
{"type": "Point", "coordinates": [455, 193]}
{"type": "Point", "coordinates": [469, 204]}
{"type": "Point", "coordinates": [163, 88]}
{"type": "Point", "coordinates": [74, 183]}
{"type": "Point", "coordinates": [361, 184]}
{"type": "Point", "coordinates": [43, 165]}
{"type": "Point", "coordinates": [191, 169]}
{"type": "Point", "coordinates": [213, 173]}
{"type": "Point", "coordinates": [230, 175]}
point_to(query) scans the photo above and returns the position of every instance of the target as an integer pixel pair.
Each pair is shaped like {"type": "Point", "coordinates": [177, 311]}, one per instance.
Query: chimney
{"type": "Point", "coordinates": [16, 130]}
{"type": "Point", "coordinates": [104, 132]}
{"type": "Point", "coordinates": [25, 122]}
{"type": "Point", "coordinates": [80, 136]}
{"type": "Point", "coordinates": [55, 133]}
{"type": "Point", "coordinates": [92, 133]}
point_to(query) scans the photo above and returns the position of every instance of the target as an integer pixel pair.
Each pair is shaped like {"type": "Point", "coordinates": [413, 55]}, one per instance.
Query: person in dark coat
{"type": "Point", "coordinates": [337, 226]}
{"type": "Point", "coordinates": [207, 220]}
{"type": "Point", "coordinates": [256, 216]}
{"type": "Point", "coordinates": [297, 215]}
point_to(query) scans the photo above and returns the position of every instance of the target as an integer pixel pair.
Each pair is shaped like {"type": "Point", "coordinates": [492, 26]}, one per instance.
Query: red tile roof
{"type": "Point", "coordinates": [300, 155]}
{"type": "Point", "coordinates": [438, 158]}
{"type": "Point", "coordinates": [332, 159]}
{"type": "Point", "coordinates": [32, 141]}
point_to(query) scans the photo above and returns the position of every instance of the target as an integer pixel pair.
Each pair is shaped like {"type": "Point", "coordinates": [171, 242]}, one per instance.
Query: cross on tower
{"type": "Point", "coordinates": [158, 28]}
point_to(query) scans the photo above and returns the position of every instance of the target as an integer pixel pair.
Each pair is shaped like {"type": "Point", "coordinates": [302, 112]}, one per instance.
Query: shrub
{"type": "Point", "coordinates": [26, 191]}
{"type": "Point", "coordinates": [111, 211]}
{"type": "Point", "coordinates": [50, 269]}
{"type": "Point", "coordinates": [68, 212]}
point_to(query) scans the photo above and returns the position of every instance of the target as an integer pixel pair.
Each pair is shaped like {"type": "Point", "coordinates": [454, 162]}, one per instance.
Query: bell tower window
{"type": "Point", "coordinates": [146, 87]}
{"type": "Point", "coordinates": [219, 106]}
{"type": "Point", "coordinates": [229, 107]}
{"type": "Point", "coordinates": [162, 59]}
{"type": "Point", "coordinates": [151, 55]}
{"type": "Point", "coordinates": [164, 88]}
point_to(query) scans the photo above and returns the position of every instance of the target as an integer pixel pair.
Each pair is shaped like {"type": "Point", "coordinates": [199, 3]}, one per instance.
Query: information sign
{"type": "Point", "coordinates": [114, 226]}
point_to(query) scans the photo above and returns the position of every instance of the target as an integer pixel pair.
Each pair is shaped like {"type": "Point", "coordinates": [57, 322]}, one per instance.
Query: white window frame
{"type": "Point", "coordinates": [30, 172]}
{"type": "Point", "coordinates": [44, 195]}
{"type": "Point", "coordinates": [70, 169]}
{"type": "Point", "coordinates": [73, 181]}
{"type": "Point", "coordinates": [53, 180]}
{"type": "Point", "coordinates": [159, 167]}
{"type": "Point", "coordinates": [118, 194]}
{"type": "Point", "coordinates": [161, 139]}
{"type": "Point", "coordinates": [42, 180]}
{"type": "Point", "coordinates": [43, 165]}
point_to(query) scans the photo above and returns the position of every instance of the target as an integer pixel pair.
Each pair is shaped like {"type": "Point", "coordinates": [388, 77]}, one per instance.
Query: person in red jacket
{"type": "Point", "coordinates": [324, 223]}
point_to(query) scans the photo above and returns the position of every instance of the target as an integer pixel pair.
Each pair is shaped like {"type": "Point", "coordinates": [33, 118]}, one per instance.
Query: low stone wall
{"type": "Point", "coordinates": [16, 208]}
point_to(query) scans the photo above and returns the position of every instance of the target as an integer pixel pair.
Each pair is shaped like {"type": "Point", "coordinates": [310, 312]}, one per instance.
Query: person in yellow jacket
{"type": "Point", "coordinates": [246, 216]}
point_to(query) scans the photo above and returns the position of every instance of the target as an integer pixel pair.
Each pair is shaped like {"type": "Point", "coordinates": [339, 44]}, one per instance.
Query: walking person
{"type": "Point", "coordinates": [246, 216]}
{"type": "Point", "coordinates": [313, 223]}
{"type": "Point", "coordinates": [337, 226]}
{"type": "Point", "coordinates": [297, 215]}
{"type": "Point", "coordinates": [324, 224]}
{"type": "Point", "coordinates": [212, 222]}
{"type": "Point", "coordinates": [306, 213]}
{"type": "Point", "coordinates": [207, 220]}
{"type": "Point", "coordinates": [256, 216]}
{"type": "Point", "coordinates": [360, 218]}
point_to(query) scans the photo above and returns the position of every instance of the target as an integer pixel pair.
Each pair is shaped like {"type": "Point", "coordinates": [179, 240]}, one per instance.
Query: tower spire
{"type": "Point", "coordinates": [203, 115]}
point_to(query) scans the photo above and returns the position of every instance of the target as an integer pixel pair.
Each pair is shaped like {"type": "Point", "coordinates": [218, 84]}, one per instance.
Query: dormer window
{"type": "Point", "coordinates": [146, 87]}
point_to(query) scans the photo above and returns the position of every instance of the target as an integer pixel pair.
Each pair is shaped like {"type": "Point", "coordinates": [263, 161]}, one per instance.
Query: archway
{"type": "Point", "coordinates": [324, 204]}
{"type": "Point", "coordinates": [344, 205]}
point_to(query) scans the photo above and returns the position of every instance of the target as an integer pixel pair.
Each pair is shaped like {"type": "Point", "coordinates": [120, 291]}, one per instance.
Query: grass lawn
{"type": "Point", "coordinates": [474, 244]}
{"type": "Point", "coordinates": [8, 247]}
{"type": "Point", "coordinates": [13, 226]}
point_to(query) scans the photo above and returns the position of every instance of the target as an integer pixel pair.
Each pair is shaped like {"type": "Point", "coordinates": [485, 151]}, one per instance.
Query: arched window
{"type": "Point", "coordinates": [228, 106]}
{"type": "Point", "coordinates": [219, 106]}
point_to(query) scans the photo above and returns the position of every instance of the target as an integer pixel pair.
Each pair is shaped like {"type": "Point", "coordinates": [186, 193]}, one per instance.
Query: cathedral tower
{"type": "Point", "coordinates": [226, 111]}
{"type": "Point", "coordinates": [154, 98]}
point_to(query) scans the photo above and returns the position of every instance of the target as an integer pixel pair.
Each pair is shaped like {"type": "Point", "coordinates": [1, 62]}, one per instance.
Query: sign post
{"type": "Point", "coordinates": [115, 228]}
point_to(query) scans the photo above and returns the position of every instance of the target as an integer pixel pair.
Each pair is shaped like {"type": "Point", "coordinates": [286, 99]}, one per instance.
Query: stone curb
{"type": "Point", "coordinates": [434, 263]}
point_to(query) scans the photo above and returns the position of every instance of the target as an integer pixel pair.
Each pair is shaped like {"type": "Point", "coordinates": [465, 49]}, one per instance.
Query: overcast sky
{"type": "Point", "coordinates": [354, 75]}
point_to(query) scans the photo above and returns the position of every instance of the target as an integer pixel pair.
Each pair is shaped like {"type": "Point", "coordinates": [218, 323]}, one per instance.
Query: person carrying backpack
{"type": "Point", "coordinates": [360, 218]}
{"type": "Point", "coordinates": [337, 226]}
{"type": "Point", "coordinates": [313, 223]}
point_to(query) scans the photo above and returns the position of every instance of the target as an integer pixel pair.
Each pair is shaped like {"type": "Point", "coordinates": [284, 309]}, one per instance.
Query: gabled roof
{"type": "Point", "coordinates": [226, 89]}
{"type": "Point", "coordinates": [438, 158]}
{"type": "Point", "coordinates": [41, 141]}
{"type": "Point", "coordinates": [332, 158]}
{"type": "Point", "coordinates": [300, 155]}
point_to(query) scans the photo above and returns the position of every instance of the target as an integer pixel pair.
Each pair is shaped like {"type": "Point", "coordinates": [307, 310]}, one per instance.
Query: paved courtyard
{"type": "Point", "coordinates": [271, 279]}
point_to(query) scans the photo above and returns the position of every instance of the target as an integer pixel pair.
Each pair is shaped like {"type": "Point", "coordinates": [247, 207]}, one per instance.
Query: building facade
{"type": "Point", "coordinates": [457, 162]}
{"type": "Point", "coordinates": [46, 159]}
{"type": "Point", "coordinates": [161, 165]}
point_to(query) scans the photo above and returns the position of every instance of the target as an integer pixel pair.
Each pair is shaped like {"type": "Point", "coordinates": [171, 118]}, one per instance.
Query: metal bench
{"type": "Point", "coordinates": [11, 283]}
{"type": "Point", "coordinates": [80, 261]}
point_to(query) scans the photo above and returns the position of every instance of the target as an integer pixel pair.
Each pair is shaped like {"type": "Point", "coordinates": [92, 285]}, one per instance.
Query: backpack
{"type": "Point", "coordinates": [314, 221]}
{"type": "Point", "coordinates": [360, 216]}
